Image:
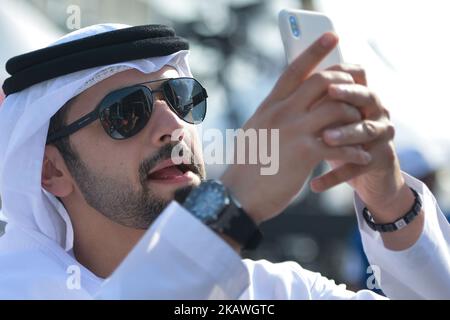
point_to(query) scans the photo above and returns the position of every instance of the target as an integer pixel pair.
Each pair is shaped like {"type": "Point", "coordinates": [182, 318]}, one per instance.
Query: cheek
{"type": "Point", "coordinates": [111, 158]}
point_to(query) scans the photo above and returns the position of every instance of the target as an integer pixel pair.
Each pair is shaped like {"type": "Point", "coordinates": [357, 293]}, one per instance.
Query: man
{"type": "Point", "coordinates": [88, 193]}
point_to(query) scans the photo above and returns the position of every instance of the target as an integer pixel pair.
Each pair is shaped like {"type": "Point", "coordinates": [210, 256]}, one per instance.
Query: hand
{"type": "Point", "coordinates": [289, 109]}
{"type": "Point", "coordinates": [380, 183]}
{"type": "Point", "coordinates": [378, 180]}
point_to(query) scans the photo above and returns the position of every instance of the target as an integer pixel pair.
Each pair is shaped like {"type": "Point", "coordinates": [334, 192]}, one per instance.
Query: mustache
{"type": "Point", "coordinates": [166, 153]}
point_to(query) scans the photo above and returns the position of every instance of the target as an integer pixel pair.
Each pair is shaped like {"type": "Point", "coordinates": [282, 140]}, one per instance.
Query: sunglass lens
{"type": "Point", "coordinates": [188, 99]}
{"type": "Point", "coordinates": [127, 112]}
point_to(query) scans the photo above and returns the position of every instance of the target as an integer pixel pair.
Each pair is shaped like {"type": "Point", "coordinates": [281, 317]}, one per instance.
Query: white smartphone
{"type": "Point", "coordinates": [300, 28]}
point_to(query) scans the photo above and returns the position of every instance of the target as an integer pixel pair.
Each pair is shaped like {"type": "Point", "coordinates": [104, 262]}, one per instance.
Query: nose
{"type": "Point", "coordinates": [164, 125]}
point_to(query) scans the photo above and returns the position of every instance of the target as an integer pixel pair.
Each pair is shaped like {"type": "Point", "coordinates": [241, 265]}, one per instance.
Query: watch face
{"type": "Point", "coordinates": [207, 201]}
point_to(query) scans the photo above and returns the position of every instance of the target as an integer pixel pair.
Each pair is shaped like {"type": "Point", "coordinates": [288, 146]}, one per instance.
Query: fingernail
{"type": "Point", "coordinates": [333, 134]}
{"type": "Point", "coordinates": [327, 40]}
{"type": "Point", "coordinates": [367, 157]}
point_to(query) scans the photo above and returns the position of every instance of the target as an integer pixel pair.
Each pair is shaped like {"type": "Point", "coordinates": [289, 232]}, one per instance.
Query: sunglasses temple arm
{"type": "Point", "coordinates": [77, 125]}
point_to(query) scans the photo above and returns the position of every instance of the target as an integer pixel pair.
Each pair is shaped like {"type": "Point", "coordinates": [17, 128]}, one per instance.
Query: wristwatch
{"type": "Point", "coordinates": [213, 204]}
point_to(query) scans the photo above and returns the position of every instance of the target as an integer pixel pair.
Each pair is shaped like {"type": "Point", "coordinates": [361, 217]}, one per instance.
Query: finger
{"type": "Point", "coordinates": [347, 154]}
{"type": "Point", "coordinates": [328, 113]}
{"type": "Point", "coordinates": [315, 87]}
{"type": "Point", "coordinates": [357, 72]}
{"type": "Point", "coordinates": [337, 176]}
{"type": "Point", "coordinates": [358, 96]}
{"type": "Point", "coordinates": [303, 65]}
{"type": "Point", "coordinates": [362, 132]}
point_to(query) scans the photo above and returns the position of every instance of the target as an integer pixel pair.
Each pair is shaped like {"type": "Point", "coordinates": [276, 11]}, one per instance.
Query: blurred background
{"type": "Point", "coordinates": [236, 52]}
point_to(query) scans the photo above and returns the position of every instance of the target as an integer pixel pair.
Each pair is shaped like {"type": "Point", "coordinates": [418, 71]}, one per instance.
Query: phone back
{"type": "Point", "coordinates": [300, 28]}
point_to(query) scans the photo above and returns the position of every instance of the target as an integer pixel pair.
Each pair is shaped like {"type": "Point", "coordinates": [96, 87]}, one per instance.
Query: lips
{"type": "Point", "coordinates": [166, 173]}
{"type": "Point", "coordinates": [167, 170]}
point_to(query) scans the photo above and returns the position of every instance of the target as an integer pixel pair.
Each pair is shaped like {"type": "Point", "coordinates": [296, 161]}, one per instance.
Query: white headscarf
{"type": "Point", "coordinates": [24, 122]}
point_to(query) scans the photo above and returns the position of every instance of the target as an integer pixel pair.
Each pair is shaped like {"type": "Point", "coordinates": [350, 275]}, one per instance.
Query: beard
{"type": "Point", "coordinates": [118, 200]}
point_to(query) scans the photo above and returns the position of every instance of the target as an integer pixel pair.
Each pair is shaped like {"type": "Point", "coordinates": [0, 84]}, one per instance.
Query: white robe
{"type": "Point", "coordinates": [180, 258]}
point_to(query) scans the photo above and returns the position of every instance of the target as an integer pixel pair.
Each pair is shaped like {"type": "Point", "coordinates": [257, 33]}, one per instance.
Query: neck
{"type": "Point", "coordinates": [99, 243]}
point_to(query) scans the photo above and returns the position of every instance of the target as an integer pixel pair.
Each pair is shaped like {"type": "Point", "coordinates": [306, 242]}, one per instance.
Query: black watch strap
{"type": "Point", "coordinates": [238, 225]}
{"type": "Point", "coordinates": [398, 224]}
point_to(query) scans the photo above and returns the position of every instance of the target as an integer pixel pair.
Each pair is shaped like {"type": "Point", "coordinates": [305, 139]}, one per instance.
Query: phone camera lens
{"type": "Point", "coordinates": [294, 27]}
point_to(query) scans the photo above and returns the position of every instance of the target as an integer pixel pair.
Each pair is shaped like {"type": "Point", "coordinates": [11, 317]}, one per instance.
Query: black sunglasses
{"type": "Point", "coordinates": [126, 111]}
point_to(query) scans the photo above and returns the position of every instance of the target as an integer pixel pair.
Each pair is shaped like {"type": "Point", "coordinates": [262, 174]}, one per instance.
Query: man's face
{"type": "Point", "coordinates": [130, 181]}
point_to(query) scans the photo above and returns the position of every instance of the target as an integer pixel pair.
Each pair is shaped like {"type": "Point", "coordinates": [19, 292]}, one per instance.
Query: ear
{"type": "Point", "coordinates": [56, 178]}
